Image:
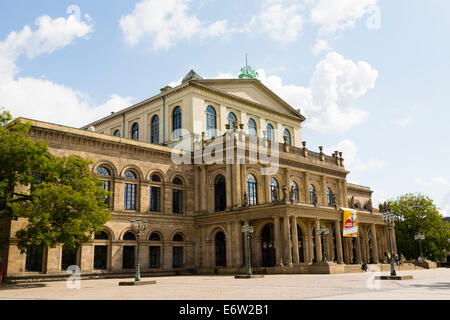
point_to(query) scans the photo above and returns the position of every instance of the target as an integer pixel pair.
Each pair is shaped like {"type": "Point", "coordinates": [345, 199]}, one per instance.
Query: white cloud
{"type": "Point", "coordinates": [42, 99]}
{"type": "Point", "coordinates": [432, 181]}
{"type": "Point", "coordinates": [281, 21]}
{"type": "Point", "coordinates": [167, 22]}
{"type": "Point", "coordinates": [321, 46]}
{"type": "Point", "coordinates": [404, 121]}
{"type": "Point", "coordinates": [335, 82]}
{"type": "Point", "coordinates": [332, 15]}
{"type": "Point", "coordinates": [445, 205]}
{"type": "Point", "coordinates": [351, 160]}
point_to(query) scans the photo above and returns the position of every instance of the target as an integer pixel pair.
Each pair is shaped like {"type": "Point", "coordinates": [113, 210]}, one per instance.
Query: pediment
{"type": "Point", "coordinates": [252, 90]}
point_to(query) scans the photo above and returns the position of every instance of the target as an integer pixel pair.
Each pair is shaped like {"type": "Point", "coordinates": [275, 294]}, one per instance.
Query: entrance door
{"type": "Point", "coordinates": [221, 249]}
{"type": "Point", "coordinates": [128, 257]}
{"type": "Point", "coordinates": [177, 257]}
{"type": "Point", "coordinates": [100, 257]}
{"type": "Point", "coordinates": [268, 246]}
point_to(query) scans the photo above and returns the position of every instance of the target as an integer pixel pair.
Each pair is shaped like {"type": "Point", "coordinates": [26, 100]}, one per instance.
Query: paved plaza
{"type": "Point", "coordinates": [427, 284]}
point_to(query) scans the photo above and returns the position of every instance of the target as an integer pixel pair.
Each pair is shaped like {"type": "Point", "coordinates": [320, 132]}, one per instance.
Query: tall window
{"type": "Point", "coordinates": [102, 171]}
{"type": "Point", "coordinates": [312, 192]}
{"type": "Point", "coordinates": [116, 133]}
{"type": "Point", "coordinates": [155, 130]}
{"type": "Point", "coordinates": [329, 197]}
{"type": "Point", "coordinates": [130, 191]}
{"type": "Point", "coordinates": [155, 194]}
{"type": "Point", "coordinates": [33, 261]}
{"type": "Point", "coordinates": [220, 193]}
{"type": "Point", "coordinates": [294, 190]}
{"type": "Point", "coordinates": [135, 131]}
{"type": "Point", "coordinates": [176, 123]}
{"type": "Point", "coordinates": [177, 252]}
{"type": "Point", "coordinates": [211, 121]}
{"type": "Point", "coordinates": [252, 193]}
{"type": "Point", "coordinates": [251, 127]}
{"type": "Point", "coordinates": [274, 187]}
{"type": "Point", "coordinates": [155, 251]}
{"type": "Point", "coordinates": [270, 136]}
{"type": "Point", "coordinates": [177, 197]}
{"type": "Point", "coordinates": [287, 134]}
{"type": "Point", "coordinates": [232, 119]}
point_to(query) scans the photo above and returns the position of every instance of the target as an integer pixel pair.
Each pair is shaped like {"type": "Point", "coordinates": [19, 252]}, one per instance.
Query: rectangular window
{"type": "Point", "coordinates": [155, 193]}
{"type": "Point", "coordinates": [128, 259]}
{"type": "Point", "coordinates": [33, 261]}
{"type": "Point", "coordinates": [177, 201]}
{"type": "Point", "coordinates": [155, 254]}
{"type": "Point", "coordinates": [130, 196]}
{"type": "Point", "coordinates": [100, 257]}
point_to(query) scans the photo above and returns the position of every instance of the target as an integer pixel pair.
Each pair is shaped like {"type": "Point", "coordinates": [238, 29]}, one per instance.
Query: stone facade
{"type": "Point", "coordinates": [203, 236]}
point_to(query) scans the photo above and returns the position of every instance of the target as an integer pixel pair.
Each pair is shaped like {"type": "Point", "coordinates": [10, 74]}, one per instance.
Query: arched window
{"type": "Point", "coordinates": [130, 191]}
{"type": "Point", "coordinates": [129, 236]}
{"type": "Point", "coordinates": [177, 197]}
{"type": "Point", "coordinates": [274, 189]}
{"type": "Point", "coordinates": [252, 191]}
{"type": "Point", "coordinates": [177, 253]}
{"type": "Point", "coordinates": [221, 249]}
{"type": "Point", "coordinates": [176, 123]}
{"type": "Point", "coordinates": [251, 127]}
{"type": "Point", "coordinates": [155, 251]}
{"type": "Point", "coordinates": [101, 251]}
{"type": "Point", "coordinates": [270, 136]}
{"type": "Point", "coordinates": [106, 183]}
{"type": "Point", "coordinates": [287, 134]}
{"type": "Point", "coordinates": [329, 197]}
{"type": "Point", "coordinates": [155, 130]}
{"type": "Point", "coordinates": [294, 190]}
{"type": "Point", "coordinates": [135, 131]}
{"type": "Point", "coordinates": [231, 119]}
{"type": "Point", "coordinates": [102, 235]}
{"type": "Point", "coordinates": [116, 133]}
{"type": "Point", "coordinates": [103, 171]}
{"type": "Point", "coordinates": [312, 194]}
{"type": "Point", "coordinates": [211, 124]}
{"type": "Point", "coordinates": [155, 193]}
{"type": "Point", "coordinates": [220, 193]}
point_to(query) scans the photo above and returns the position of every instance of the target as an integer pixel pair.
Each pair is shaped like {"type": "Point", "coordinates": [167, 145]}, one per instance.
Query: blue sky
{"type": "Point", "coordinates": [371, 76]}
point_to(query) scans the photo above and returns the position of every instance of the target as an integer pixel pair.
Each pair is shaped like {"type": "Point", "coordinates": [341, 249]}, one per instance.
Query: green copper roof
{"type": "Point", "coordinates": [247, 72]}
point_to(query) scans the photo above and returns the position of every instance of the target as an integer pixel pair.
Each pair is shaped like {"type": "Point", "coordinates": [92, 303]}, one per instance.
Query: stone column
{"type": "Point", "coordinates": [196, 189]}
{"type": "Point", "coordinates": [324, 190]}
{"type": "Point", "coordinates": [306, 178]}
{"type": "Point", "coordinates": [229, 202]}
{"type": "Point", "coordinates": [237, 245]}
{"type": "Point", "coordinates": [287, 183]}
{"type": "Point", "coordinates": [257, 250]}
{"type": "Point", "coordinates": [358, 250]}
{"type": "Point", "coordinates": [203, 188]}
{"type": "Point", "coordinates": [374, 244]}
{"type": "Point", "coordinates": [245, 244]}
{"type": "Point", "coordinates": [294, 234]}
{"type": "Point", "coordinates": [287, 242]}
{"type": "Point", "coordinates": [337, 231]}
{"type": "Point", "coordinates": [318, 241]}
{"type": "Point", "coordinates": [366, 244]}
{"type": "Point", "coordinates": [236, 183]}
{"type": "Point", "coordinates": [229, 244]}
{"type": "Point", "coordinates": [344, 191]}
{"type": "Point", "coordinates": [266, 190]}
{"type": "Point", "coordinates": [244, 181]}
{"type": "Point", "coordinates": [204, 253]}
{"type": "Point", "coordinates": [278, 246]}
{"type": "Point", "coordinates": [339, 196]}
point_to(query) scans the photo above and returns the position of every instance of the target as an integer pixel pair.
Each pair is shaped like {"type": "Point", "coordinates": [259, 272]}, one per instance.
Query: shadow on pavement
{"type": "Point", "coordinates": [439, 285]}
{"type": "Point", "coordinates": [12, 286]}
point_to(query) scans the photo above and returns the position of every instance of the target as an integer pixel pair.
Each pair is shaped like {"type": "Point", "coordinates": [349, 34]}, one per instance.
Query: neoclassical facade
{"type": "Point", "coordinates": [195, 210]}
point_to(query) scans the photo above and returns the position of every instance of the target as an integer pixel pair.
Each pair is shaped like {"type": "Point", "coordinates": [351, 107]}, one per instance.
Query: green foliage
{"type": "Point", "coordinates": [60, 196]}
{"type": "Point", "coordinates": [416, 214]}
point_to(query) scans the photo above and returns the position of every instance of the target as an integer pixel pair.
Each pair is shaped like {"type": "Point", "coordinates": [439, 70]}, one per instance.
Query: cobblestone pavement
{"type": "Point", "coordinates": [427, 284]}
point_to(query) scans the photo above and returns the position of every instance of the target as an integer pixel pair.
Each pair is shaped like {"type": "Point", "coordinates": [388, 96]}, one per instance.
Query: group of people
{"type": "Point", "coordinates": [398, 260]}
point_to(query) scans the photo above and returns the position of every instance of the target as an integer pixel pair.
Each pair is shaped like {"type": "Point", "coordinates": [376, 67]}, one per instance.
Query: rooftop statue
{"type": "Point", "coordinates": [247, 71]}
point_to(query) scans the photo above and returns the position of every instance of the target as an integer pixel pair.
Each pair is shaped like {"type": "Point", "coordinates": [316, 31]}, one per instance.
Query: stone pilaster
{"type": "Point", "coordinates": [278, 245]}
{"type": "Point", "coordinates": [229, 244]}
{"type": "Point", "coordinates": [374, 243]}
{"type": "Point", "coordinates": [318, 241]}
{"type": "Point", "coordinates": [229, 200]}
{"type": "Point", "coordinates": [287, 240]}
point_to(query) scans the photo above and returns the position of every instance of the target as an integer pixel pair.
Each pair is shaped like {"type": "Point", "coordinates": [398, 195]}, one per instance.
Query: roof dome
{"type": "Point", "coordinates": [192, 75]}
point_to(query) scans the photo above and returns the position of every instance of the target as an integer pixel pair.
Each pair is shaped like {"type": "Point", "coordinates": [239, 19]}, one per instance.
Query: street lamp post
{"type": "Point", "coordinates": [138, 226]}
{"type": "Point", "coordinates": [323, 232]}
{"type": "Point", "coordinates": [420, 237]}
{"type": "Point", "coordinates": [248, 230]}
{"type": "Point", "coordinates": [389, 220]}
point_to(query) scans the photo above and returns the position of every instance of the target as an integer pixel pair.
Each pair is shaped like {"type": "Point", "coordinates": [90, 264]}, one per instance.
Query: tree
{"type": "Point", "coordinates": [416, 214]}
{"type": "Point", "coordinates": [62, 200]}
